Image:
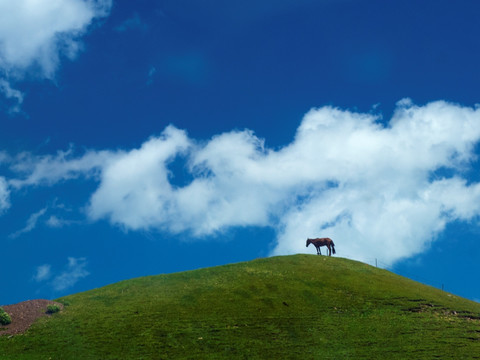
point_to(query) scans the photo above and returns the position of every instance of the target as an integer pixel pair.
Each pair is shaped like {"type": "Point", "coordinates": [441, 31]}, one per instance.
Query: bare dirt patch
{"type": "Point", "coordinates": [24, 314]}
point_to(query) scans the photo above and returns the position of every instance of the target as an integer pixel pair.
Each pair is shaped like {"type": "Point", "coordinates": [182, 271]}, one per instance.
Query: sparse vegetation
{"type": "Point", "coordinates": [52, 309]}
{"type": "Point", "coordinates": [296, 307]}
{"type": "Point", "coordinates": [5, 319]}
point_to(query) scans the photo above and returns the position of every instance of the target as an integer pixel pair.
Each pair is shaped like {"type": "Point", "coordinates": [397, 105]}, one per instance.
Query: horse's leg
{"type": "Point", "coordinates": [329, 250]}
{"type": "Point", "coordinates": [318, 251]}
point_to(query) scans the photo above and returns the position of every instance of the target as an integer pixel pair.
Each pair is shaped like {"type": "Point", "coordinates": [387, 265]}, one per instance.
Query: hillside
{"type": "Point", "coordinates": [301, 306]}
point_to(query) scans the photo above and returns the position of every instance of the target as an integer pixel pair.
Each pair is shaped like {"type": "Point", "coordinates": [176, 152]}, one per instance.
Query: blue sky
{"type": "Point", "coordinates": [146, 137]}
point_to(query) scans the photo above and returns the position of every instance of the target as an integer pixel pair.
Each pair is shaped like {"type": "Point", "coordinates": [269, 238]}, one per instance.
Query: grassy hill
{"type": "Point", "coordinates": [290, 307]}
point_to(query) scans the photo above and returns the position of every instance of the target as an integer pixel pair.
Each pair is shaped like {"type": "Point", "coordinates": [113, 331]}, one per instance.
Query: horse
{"type": "Point", "coordinates": [318, 242]}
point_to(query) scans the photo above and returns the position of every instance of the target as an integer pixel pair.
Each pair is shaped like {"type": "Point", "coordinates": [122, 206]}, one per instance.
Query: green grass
{"type": "Point", "coordinates": [291, 307]}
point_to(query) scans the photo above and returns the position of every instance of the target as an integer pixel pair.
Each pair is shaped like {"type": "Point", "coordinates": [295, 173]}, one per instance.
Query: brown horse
{"type": "Point", "coordinates": [322, 242]}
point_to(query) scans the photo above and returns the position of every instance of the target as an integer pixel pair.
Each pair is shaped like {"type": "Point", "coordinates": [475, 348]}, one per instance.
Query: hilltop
{"type": "Point", "coordinates": [301, 306]}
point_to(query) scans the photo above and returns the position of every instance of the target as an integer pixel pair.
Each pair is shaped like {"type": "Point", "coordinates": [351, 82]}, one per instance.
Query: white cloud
{"type": "Point", "coordinates": [56, 222]}
{"type": "Point", "coordinates": [43, 272]}
{"type": "Point", "coordinates": [4, 195]}
{"type": "Point", "coordinates": [15, 95]}
{"type": "Point", "coordinates": [135, 190]}
{"type": "Point", "coordinates": [48, 29]}
{"type": "Point", "coordinates": [370, 187]}
{"type": "Point", "coordinates": [377, 190]}
{"type": "Point", "coordinates": [53, 221]}
{"type": "Point", "coordinates": [31, 223]}
{"type": "Point", "coordinates": [75, 271]}
{"type": "Point", "coordinates": [386, 203]}
{"type": "Point", "coordinates": [35, 34]}
{"type": "Point", "coordinates": [50, 169]}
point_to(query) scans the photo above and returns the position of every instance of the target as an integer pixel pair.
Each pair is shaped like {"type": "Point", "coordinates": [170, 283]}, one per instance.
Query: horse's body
{"type": "Point", "coordinates": [318, 242]}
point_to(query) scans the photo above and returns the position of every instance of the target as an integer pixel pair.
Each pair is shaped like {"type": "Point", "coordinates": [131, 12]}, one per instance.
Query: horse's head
{"type": "Point", "coordinates": [308, 242]}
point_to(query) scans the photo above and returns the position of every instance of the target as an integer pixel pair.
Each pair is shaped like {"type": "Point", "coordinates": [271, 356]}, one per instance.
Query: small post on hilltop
{"type": "Point", "coordinates": [376, 265]}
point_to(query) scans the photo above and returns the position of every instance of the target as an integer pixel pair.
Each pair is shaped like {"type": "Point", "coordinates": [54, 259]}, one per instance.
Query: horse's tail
{"type": "Point", "coordinates": [333, 248]}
